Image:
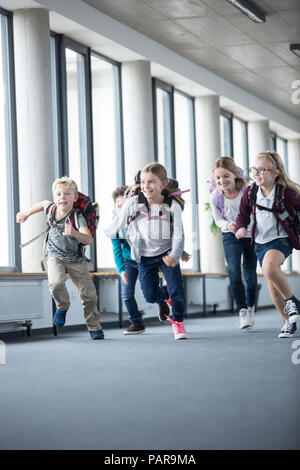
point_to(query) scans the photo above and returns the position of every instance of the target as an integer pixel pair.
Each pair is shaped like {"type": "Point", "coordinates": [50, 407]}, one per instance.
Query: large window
{"type": "Point", "coordinates": [186, 172]}
{"type": "Point", "coordinates": [9, 237]}
{"type": "Point", "coordinates": [164, 125]}
{"type": "Point", "coordinates": [175, 149]}
{"type": "Point", "coordinates": [55, 82]}
{"type": "Point", "coordinates": [107, 138]}
{"type": "Point", "coordinates": [87, 128]}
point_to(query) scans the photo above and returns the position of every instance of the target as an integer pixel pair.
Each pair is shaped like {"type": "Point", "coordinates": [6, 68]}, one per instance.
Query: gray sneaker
{"type": "Point", "coordinates": [135, 329]}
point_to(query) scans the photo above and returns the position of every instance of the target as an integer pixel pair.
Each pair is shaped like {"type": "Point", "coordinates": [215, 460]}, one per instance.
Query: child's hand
{"type": "Point", "coordinates": [169, 261]}
{"type": "Point", "coordinates": [21, 217]}
{"type": "Point", "coordinates": [124, 277]}
{"type": "Point", "coordinates": [230, 226]}
{"type": "Point", "coordinates": [185, 257]}
{"type": "Point", "coordinates": [242, 232]}
{"type": "Point", "coordinates": [69, 230]}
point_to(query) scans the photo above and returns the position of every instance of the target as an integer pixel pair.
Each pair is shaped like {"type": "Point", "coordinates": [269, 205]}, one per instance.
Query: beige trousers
{"type": "Point", "coordinates": [80, 276]}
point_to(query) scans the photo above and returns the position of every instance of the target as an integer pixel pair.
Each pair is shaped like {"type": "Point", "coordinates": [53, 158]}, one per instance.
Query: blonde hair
{"type": "Point", "coordinates": [160, 171]}
{"type": "Point", "coordinates": [277, 164]}
{"type": "Point", "coordinates": [67, 182]}
{"type": "Point", "coordinates": [228, 164]}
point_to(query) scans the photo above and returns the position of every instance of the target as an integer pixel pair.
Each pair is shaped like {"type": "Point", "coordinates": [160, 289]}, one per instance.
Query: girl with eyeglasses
{"type": "Point", "coordinates": [274, 200]}
{"type": "Point", "coordinates": [229, 181]}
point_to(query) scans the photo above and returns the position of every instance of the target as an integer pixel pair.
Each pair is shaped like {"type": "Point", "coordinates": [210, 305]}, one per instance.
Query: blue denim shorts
{"type": "Point", "coordinates": [280, 244]}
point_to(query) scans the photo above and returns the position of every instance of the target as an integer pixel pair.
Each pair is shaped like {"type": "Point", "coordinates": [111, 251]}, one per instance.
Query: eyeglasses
{"type": "Point", "coordinates": [260, 170]}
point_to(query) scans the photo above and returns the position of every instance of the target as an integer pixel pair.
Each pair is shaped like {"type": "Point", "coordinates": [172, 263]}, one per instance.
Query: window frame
{"type": "Point", "coordinates": [228, 115]}
{"type": "Point", "coordinates": [246, 142]}
{"type": "Point", "coordinates": [13, 198]}
{"type": "Point", "coordinates": [118, 109]}
{"type": "Point", "coordinates": [194, 181]}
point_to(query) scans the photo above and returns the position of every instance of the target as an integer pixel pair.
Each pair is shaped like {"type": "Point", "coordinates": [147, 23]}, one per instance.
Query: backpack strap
{"type": "Point", "coordinates": [252, 194]}
{"type": "Point", "coordinates": [168, 199]}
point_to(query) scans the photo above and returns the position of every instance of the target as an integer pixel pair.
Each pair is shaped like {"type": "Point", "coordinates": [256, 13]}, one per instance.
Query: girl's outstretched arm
{"type": "Point", "coordinates": [119, 221]}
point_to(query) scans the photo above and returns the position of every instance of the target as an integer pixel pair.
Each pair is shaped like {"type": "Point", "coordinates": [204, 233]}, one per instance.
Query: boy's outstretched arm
{"type": "Point", "coordinates": [22, 216]}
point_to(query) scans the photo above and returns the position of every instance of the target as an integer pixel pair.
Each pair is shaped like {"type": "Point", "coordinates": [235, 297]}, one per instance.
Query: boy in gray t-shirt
{"type": "Point", "coordinates": [64, 255]}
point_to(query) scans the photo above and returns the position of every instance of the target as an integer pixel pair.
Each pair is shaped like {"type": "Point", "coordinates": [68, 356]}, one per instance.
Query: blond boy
{"type": "Point", "coordinates": [63, 255]}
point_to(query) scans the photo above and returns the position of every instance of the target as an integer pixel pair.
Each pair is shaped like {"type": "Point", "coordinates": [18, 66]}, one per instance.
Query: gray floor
{"type": "Point", "coordinates": [222, 389]}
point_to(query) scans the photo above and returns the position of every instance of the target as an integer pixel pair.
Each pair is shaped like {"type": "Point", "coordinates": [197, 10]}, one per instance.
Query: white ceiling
{"type": "Point", "coordinates": [215, 35]}
{"type": "Point", "coordinates": [209, 33]}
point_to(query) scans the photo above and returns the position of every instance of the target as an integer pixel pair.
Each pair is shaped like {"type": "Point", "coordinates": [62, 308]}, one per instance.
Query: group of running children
{"type": "Point", "coordinates": [258, 221]}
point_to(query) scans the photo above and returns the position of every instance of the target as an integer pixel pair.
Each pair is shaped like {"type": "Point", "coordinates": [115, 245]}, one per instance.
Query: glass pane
{"type": "Point", "coordinates": [225, 127]}
{"type": "Point", "coordinates": [77, 144]}
{"type": "Point", "coordinates": [107, 147]}
{"type": "Point", "coordinates": [273, 142]}
{"type": "Point", "coordinates": [240, 144]}
{"type": "Point", "coordinates": [5, 154]}
{"type": "Point", "coordinates": [164, 146]}
{"type": "Point", "coordinates": [281, 146]}
{"type": "Point", "coordinates": [184, 145]}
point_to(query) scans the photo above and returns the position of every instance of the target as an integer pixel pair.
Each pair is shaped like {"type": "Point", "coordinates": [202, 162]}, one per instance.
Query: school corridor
{"type": "Point", "coordinates": [222, 389]}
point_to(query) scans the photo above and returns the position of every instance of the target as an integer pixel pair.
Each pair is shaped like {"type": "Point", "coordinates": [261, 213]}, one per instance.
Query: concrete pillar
{"type": "Point", "coordinates": [294, 174]}
{"type": "Point", "coordinates": [137, 117]}
{"type": "Point", "coordinates": [207, 110]}
{"type": "Point", "coordinates": [34, 123]}
{"type": "Point", "coordinates": [258, 139]}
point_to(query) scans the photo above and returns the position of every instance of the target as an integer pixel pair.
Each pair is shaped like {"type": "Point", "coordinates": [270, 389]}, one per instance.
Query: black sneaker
{"type": "Point", "coordinates": [292, 309]}
{"type": "Point", "coordinates": [288, 329]}
{"type": "Point", "coordinates": [163, 312]}
{"type": "Point", "coordinates": [135, 329]}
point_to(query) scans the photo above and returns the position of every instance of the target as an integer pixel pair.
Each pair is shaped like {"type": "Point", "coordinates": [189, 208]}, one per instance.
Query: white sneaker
{"type": "Point", "coordinates": [251, 311]}
{"type": "Point", "coordinates": [244, 319]}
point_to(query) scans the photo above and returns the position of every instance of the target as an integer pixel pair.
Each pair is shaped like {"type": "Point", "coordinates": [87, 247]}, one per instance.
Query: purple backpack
{"type": "Point", "coordinates": [219, 199]}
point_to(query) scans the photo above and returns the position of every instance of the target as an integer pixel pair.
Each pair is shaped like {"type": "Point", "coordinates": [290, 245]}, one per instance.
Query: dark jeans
{"type": "Point", "coordinates": [244, 296]}
{"type": "Point", "coordinates": [153, 293]}
{"type": "Point", "coordinates": [131, 269]}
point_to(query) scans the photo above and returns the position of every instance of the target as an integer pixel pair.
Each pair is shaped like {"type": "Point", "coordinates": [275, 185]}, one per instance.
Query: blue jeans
{"type": "Point", "coordinates": [153, 293]}
{"type": "Point", "coordinates": [244, 296]}
{"type": "Point", "coordinates": [127, 291]}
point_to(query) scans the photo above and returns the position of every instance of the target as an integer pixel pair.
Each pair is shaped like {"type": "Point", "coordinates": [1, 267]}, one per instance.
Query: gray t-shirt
{"type": "Point", "coordinates": [63, 247]}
